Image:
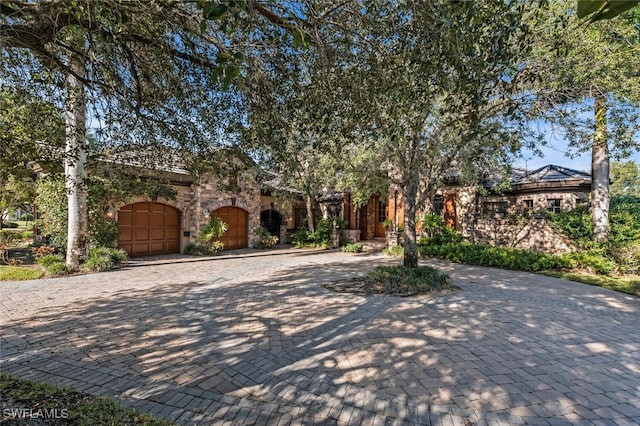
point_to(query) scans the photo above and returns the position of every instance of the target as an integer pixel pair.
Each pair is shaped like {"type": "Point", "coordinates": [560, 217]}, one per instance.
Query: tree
{"type": "Point", "coordinates": [293, 125]}
{"type": "Point", "coordinates": [429, 91]}
{"type": "Point", "coordinates": [625, 177]}
{"type": "Point", "coordinates": [582, 68]}
{"type": "Point", "coordinates": [146, 70]}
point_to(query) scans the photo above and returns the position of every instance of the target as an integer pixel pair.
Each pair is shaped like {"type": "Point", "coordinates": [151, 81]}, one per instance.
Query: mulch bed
{"type": "Point", "coordinates": [359, 287]}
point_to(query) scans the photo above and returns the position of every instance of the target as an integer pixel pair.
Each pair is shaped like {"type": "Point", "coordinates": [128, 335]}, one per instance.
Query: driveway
{"type": "Point", "coordinates": [257, 340]}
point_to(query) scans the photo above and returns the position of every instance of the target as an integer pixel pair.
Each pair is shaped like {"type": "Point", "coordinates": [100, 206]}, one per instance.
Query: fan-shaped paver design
{"type": "Point", "coordinates": [257, 340]}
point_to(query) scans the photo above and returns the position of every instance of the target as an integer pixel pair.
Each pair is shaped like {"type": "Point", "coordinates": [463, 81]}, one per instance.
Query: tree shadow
{"type": "Point", "coordinates": [282, 347]}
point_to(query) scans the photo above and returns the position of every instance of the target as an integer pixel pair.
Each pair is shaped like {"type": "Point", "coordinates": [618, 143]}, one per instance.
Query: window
{"type": "Point", "coordinates": [438, 205]}
{"type": "Point", "coordinates": [233, 182]}
{"type": "Point", "coordinates": [382, 210]}
{"type": "Point", "coordinates": [491, 208]}
{"type": "Point", "coordinates": [527, 205]}
{"type": "Point", "coordinates": [553, 205]}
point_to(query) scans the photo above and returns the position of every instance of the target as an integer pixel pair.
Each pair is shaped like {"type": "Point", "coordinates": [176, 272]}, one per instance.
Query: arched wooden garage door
{"type": "Point", "coordinates": [149, 228]}
{"type": "Point", "coordinates": [237, 220]}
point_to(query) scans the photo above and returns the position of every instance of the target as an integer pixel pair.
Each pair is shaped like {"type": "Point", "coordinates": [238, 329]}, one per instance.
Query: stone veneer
{"type": "Point", "coordinates": [212, 194]}
{"type": "Point", "coordinates": [522, 233]}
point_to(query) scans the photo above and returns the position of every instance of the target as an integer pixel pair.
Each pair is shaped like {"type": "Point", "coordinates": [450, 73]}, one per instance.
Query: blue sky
{"type": "Point", "coordinates": [554, 153]}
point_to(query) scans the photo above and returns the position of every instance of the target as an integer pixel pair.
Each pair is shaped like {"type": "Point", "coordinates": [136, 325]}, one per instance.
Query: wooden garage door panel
{"type": "Point", "coordinates": [149, 228]}
{"type": "Point", "coordinates": [237, 220]}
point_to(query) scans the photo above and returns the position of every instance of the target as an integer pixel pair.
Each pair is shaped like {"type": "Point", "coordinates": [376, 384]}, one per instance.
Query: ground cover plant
{"type": "Point", "coordinates": [401, 281]}
{"type": "Point", "coordinates": [68, 405]}
{"type": "Point", "coordinates": [353, 248]}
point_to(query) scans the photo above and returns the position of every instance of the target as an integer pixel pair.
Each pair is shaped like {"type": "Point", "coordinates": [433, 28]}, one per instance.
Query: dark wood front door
{"type": "Point", "coordinates": [149, 228]}
{"type": "Point", "coordinates": [237, 220]}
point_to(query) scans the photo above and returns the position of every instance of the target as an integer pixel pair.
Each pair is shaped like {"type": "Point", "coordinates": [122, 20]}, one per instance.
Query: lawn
{"type": "Point", "coordinates": [64, 406]}
{"type": "Point", "coordinates": [626, 284]}
{"type": "Point", "coordinates": [19, 273]}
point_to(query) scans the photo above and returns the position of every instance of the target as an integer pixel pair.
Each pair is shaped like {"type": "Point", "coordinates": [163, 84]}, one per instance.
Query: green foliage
{"type": "Point", "coordinates": [353, 248]}
{"type": "Point", "coordinates": [620, 253]}
{"type": "Point", "coordinates": [83, 409]}
{"type": "Point", "coordinates": [438, 234]}
{"type": "Point", "coordinates": [103, 231]}
{"type": "Point", "coordinates": [18, 273]}
{"type": "Point", "coordinates": [264, 238]}
{"type": "Point", "coordinates": [402, 281]}
{"type": "Point", "coordinates": [596, 10]}
{"type": "Point", "coordinates": [625, 177]}
{"type": "Point", "coordinates": [499, 257]}
{"type": "Point", "coordinates": [105, 258]}
{"type": "Point", "coordinates": [394, 251]}
{"type": "Point", "coordinates": [594, 260]}
{"type": "Point", "coordinates": [9, 237]}
{"type": "Point", "coordinates": [49, 259]}
{"type": "Point", "coordinates": [321, 237]}
{"type": "Point", "coordinates": [209, 234]}
{"type": "Point", "coordinates": [52, 201]}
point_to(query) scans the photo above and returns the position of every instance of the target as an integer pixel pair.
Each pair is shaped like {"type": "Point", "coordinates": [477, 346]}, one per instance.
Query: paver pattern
{"type": "Point", "coordinates": [257, 340]}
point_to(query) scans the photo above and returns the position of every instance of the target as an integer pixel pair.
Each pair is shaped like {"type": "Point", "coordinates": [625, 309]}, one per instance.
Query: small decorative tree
{"type": "Point", "coordinates": [209, 234]}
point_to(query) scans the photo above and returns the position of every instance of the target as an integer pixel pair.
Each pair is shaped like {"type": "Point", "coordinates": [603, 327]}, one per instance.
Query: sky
{"type": "Point", "coordinates": [554, 152]}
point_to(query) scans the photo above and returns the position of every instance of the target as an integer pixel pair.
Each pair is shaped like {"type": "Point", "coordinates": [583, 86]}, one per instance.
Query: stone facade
{"type": "Point", "coordinates": [522, 233]}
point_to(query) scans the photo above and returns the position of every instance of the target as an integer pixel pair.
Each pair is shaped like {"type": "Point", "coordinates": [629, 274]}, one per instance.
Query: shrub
{"type": "Point", "coordinates": [593, 261]}
{"type": "Point", "coordinates": [209, 234]}
{"type": "Point", "coordinates": [47, 260]}
{"type": "Point", "coordinates": [264, 238]}
{"type": "Point", "coordinates": [54, 265]}
{"type": "Point", "coordinates": [437, 233]}
{"type": "Point", "coordinates": [321, 237]}
{"type": "Point", "coordinates": [353, 248]}
{"type": "Point", "coordinates": [400, 280]}
{"type": "Point", "coordinates": [395, 251]}
{"type": "Point", "coordinates": [499, 257]}
{"type": "Point", "coordinates": [9, 225]}
{"type": "Point", "coordinates": [8, 237]}
{"type": "Point", "coordinates": [105, 258]}
{"type": "Point", "coordinates": [26, 235]}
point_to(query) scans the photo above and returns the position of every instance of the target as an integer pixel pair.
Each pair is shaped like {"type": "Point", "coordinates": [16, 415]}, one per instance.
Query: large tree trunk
{"type": "Point", "coordinates": [310, 216]}
{"type": "Point", "coordinates": [600, 173]}
{"type": "Point", "coordinates": [75, 159]}
{"type": "Point", "coordinates": [410, 193]}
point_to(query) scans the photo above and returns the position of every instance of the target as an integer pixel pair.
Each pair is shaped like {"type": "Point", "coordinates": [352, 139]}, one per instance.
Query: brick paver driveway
{"type": "Point", "coordinates": [259, 341]}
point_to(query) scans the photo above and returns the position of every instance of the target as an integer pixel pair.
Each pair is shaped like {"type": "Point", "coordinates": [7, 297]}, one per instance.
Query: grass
{"type": "Point", "coordinates": [628, 284]}
{"type": "Point", "coordinates": [19, 273]}
{"type": "Point", "coordinates": [68, 405]}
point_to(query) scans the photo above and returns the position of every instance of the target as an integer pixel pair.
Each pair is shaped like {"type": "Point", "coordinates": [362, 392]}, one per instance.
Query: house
{"type": "Point", "coordinates": [482, 214]}
{"type": "Point", "coordinates": [253, 198]}
{"type": "Point", "coordinates": [244, 201]}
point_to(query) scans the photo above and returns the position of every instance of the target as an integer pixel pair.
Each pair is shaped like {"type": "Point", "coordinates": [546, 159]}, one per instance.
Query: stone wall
{"type": "Point", "coordinates": [212, 194]}
{"type": "Point", "coordinates": [522, 233]}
